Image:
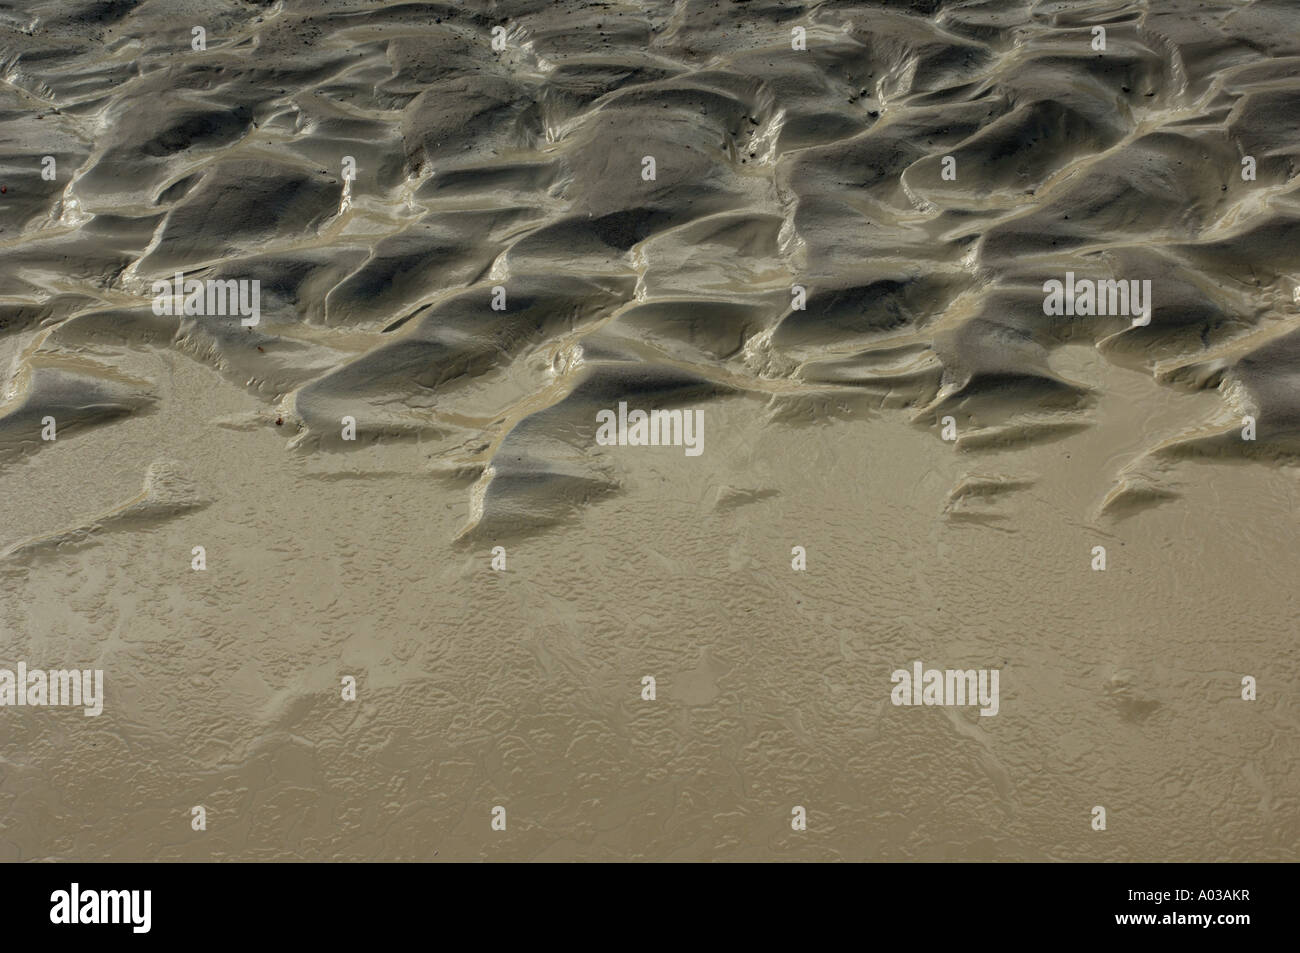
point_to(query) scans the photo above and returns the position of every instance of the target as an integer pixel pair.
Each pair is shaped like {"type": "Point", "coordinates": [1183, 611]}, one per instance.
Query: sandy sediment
{"type": "Point", "coordinates": [841, 254]}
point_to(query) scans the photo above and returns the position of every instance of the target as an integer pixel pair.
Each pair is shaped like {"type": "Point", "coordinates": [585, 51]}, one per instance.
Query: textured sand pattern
{"type": "Point", "coordinates": [522, 168]}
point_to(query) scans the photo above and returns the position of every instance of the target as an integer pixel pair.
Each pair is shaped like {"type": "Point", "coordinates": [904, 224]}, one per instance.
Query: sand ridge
{"type": "Point", "coordinates": [839, 262]}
